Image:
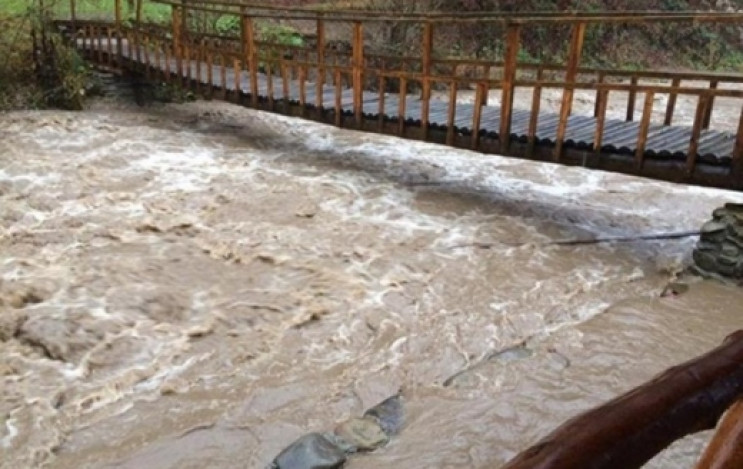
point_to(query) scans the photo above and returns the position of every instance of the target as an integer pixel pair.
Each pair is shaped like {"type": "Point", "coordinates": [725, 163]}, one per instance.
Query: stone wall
{"type": "Point", "coordinates": [720, 247]}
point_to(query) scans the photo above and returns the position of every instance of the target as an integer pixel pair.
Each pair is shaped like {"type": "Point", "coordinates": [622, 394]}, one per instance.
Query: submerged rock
{"type": "Point", "coordinates": [312, 451]}
{"type": "Point", "coordinates": [720, 249]}
{"type": "Point", "coordinates": [388, 414]}
{"type": "Point", "coordinates": [361, 434]}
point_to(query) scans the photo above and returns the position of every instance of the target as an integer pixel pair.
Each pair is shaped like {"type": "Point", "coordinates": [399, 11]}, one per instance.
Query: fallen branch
{"type": "Point", "coordinates": [575, 242]}
{"type": "Point", "coordinates": [725, 451]}
{"type": "Point", "coordinates": [631, 429]}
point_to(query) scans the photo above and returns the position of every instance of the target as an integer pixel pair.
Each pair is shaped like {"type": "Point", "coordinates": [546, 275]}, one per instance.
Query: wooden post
{"type": "Point", "coordinates": [598, 137]}
{"type": "Point", "coordinates": [381, 103]}
{"type": "Point", "coordinates": [536, 104]}
{"type": "Point", "coordinates": [338, 103]}
{"type": "Point", "coordinates": [319, 94]}
{"type": "Point", "coordinates": [576, 48]}
{"type": "Point", "coordinates": [251, 55]}
{"type": "Point", "coordinates": [671, 106]}
{"type": "Point", "coordinates": [427, 46]}
{"type": "Point", "coordinates": [138, 31]}
{"type": "Point", "coordinates": [736, 169]}
{"type": "Point", "coordinates": [691, 155]}
{"type": "Point", "coordinates": [631, 429]}
{"type": "Point", "coordinates": [358, 71]}
{"type": "Point", "coordinates": [401, 111]}
{"type": "Point", "coordinates": [631, 97]}
{"type": "Point", "coordinates": [642, 135]}
{"type": "Point", "coordinates": [710, 105]}
{"type": "Point", "coordinates": [509, 77]}
{"type": "Point", "coordinates": [451, 113]}
{"type": "Point", "coordinates": [73, 16]}
{"type": "Point", "coordinates": [725, 451]}
{"type": "Point", "coordinates": [599, 80]}
{"type": "Point", "coordinates": [477, 114]}
{"type": "Point", "coordinates": [119, 35]}
{"type": "Point", "coordinates": [176, 18]}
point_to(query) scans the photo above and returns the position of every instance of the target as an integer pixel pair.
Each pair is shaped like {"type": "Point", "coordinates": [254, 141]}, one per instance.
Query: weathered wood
{"type": "Point", "coordinates": [671, 106]}
{"type": "Point", "coordinates": [358, 71]}
{"type": "Point", "coordinates": [401, 106]}
{"type": "Point", "coordinates": [451, 113]}
{"type": "Point", "coordinates": [509, 76]}
{"type": "Point", "coordinates": [642, 135]}
{"type": "Point", "coordinates": [736, 166]}
{"type": "Point", "coordinates": [576, 48]}
{"type": "Point", "coordinates": [427, 49]}
{"type": "Point", "coordinates": [319, 98]}
{"type": "Point", "coordinates": [536, 104]}
{"type": "Point", "coordinates": [710, 105]}
{"type": "Point", "coordinates": [629, 430]}
{"type": "Point", "coordinates": [631, 98]}
{"type": "Point", "coordinates": [248, 31]}
{"type": "Point", "coordinates": [725, 451]}
{"type": "Point", "coordinates": [691, 153]}
{"type": "Point", "coordinates": [598, 137]}
{"type": "Point", "coordinates": [477, 115]}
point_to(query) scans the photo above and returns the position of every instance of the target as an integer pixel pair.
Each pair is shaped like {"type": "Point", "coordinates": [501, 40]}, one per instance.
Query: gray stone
{"type": "Point", "coordinates": [388, 414]}
{"type": "Point", "coordinates": [735, 208]}
{"type": "Point", "coordinates": [720, 213]}
{"type": "Point", "coordinates": [713, 231]}
{"type": "Point", "coordinates": [312, 451]}
{"type": "Point", "coordinates": [705, 261]}
{"type": "Point", "coordinates": [362, 434]}
{"type": "Point", "coordinates": [730, 250]}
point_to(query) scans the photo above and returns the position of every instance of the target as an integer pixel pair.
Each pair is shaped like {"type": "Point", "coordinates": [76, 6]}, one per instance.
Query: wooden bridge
{"type": "Point", "coordinates": [341, 82]}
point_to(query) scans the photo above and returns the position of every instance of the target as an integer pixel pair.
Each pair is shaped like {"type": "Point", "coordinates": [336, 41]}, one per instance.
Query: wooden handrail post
{"type": "Point", "coordinates": [138, 32]}
{"type": "Point", "coordinates": [631, 429]}
{"type": "Point", "coordinates": [576, 48]}
{"type": "Point", "coordinates": [73, 15]}
{"type": "Point", "coordinates": [631, 97]}
{"type": "Point", "coordinates": [671, 106]}
{"type": "Point", "coordinates": [427, 46]}
{"type": "Point", "coordinates": [710, 105]}
{"type": "Point", "coordinates": [736, 169]}
{"type": "Point", "coordinates": [251, 56]}
{"type": "Point", "coordinates": [358, 71]}
{"type": "Point", "coordinates": [320, 95]}
{"type": "Point", "coordinates": [509, 77]}
{"type": "Point", "coordinates": [177, 24]}
{"type": "Point", "coordinates": [119, 35]}
{"type": "Point", "coordinates": [725, 451]}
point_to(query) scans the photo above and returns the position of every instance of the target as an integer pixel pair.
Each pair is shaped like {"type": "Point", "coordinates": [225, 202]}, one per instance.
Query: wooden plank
{"type": "Point", "coordinates": [513, 36]}
{"type": "Point", "coordinates": [338, 97]}
{"type": "Point", "coordinates": [642, 135]}
{"type": "Point", "coordinates": [382, 83]}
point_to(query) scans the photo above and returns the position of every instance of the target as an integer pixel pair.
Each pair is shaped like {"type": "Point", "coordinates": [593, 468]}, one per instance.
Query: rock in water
{"type": "Point", "coordinates": [312, 451]}
{"type": "Point", "coordinates": [362, 434]}
{"type": "Point", "coordinates": [388, 414]}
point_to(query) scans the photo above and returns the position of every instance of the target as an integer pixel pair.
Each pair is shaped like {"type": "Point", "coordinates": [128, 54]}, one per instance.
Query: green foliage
{"type": "Point", "coordinates": [227, 25]}
{"type": "Point", "coordinates": [280, 34]}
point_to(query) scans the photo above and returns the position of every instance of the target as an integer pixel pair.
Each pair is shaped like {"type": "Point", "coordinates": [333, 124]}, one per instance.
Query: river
{"type": "Point", "coordinates": [198, 285]}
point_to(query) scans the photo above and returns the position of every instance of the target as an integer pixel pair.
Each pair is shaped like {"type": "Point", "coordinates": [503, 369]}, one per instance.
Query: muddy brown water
{"type": "Point", "coordinates": [192, 286]}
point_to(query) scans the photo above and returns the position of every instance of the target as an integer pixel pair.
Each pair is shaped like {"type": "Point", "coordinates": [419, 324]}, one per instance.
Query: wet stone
{"type": "Point", "coordinates": [312, 451]}
{"type": "Point", "coordinates": [361, 434]}
{"type": "Point", "coordinates": [388, 414]}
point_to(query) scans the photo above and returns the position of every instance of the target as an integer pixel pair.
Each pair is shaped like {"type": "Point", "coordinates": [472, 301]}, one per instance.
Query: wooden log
{"type": "Point", "coordinates": [631, 429]}
{"type": "Point", "coordinates": [725, 451]}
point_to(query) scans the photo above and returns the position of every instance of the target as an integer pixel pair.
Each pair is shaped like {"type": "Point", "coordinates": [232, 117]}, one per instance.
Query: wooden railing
{"type": "Point", "coordinates": [354, 65]}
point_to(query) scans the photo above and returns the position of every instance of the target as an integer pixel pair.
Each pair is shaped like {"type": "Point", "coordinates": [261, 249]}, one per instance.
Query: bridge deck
{"type": "Point", "coordinates": [664, 143]}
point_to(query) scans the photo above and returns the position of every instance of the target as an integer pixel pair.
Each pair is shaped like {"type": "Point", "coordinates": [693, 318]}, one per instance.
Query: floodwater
{"type": "Point", "coordinates": [198, 285]}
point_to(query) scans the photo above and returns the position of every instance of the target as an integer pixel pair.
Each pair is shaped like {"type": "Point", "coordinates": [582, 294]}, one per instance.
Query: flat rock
{"type": "Point", "coordinates": [312, 451]}
{"type": "Point", "coordinates": [388, 414]}
{"type": "Point", "coordinates": [361, 434]}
